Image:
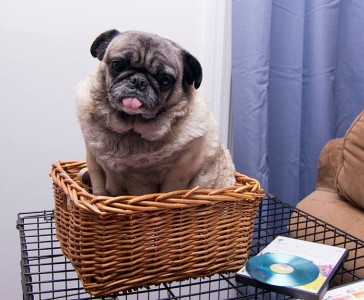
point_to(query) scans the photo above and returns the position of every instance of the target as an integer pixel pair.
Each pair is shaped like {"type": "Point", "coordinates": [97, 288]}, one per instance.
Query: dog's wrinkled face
{"type": "Point", "coordinates": [143, 74]}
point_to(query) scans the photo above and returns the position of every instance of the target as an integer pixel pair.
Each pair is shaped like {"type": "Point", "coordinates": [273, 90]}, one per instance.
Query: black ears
{"type": "Point", "coordinates": [99, 45]}
{"type": "Point", "coordinates": [192, 72]}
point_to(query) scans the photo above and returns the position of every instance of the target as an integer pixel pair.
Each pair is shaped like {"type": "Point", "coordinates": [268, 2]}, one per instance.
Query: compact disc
{"type": "Point", "coordinates": [282, 269]}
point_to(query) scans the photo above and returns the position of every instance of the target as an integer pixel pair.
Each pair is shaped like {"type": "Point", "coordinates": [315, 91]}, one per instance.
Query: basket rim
{"type": "Point", "coordinates": [246, 189]}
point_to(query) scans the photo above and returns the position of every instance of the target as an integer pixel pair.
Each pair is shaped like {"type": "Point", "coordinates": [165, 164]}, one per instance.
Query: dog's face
{"type": "Point", "coordinates": [142, 74]}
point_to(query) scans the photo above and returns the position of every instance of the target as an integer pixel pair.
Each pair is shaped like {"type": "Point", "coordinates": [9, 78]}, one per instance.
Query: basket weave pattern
{"type": "Point", "coordinates": [127, 242]}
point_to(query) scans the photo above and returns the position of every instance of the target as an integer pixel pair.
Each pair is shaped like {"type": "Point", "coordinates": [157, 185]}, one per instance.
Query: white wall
{"type": "Point", "coordinates": [44, 52]}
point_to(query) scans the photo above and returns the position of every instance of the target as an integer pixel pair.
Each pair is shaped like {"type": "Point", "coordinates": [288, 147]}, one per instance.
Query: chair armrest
{"type": "Point", "coordinates": [328, 165]}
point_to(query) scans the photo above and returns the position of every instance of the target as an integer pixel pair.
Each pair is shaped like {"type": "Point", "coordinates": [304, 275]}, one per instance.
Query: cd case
{"type": "Point", "coordinates": [350, 291]}
{"type": "Point", "coordinates": [326, 258]}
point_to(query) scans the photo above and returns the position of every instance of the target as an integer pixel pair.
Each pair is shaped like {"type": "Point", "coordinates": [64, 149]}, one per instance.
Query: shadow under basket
{"type": "Point", "coordinates": [128, 242]}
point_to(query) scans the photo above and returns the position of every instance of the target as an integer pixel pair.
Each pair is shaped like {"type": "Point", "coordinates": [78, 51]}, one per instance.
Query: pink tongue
{"type": "Point", "coordinates": [132, 103]}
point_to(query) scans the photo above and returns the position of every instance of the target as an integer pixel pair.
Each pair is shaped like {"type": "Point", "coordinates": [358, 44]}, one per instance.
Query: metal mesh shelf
{"type": "Point", "coordinates": [47, 274]}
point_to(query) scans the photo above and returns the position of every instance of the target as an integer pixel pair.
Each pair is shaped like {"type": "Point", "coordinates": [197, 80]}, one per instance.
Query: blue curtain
{"type": "Point", "coordinates": [297, 81]}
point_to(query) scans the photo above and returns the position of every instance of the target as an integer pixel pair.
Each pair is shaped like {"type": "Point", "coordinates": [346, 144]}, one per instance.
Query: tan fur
{"type": "Point", "coordinates": [178, 148]}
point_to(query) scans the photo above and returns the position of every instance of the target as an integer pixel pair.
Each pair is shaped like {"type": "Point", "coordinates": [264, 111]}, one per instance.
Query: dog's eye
{"type": "Point", "coordinates": [165, 80]}
{"type": "Point", "coordinates": [118, 65]}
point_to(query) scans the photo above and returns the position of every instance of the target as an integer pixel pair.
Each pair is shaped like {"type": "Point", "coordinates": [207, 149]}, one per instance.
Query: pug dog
{"type": "Point", "coordinates": [147, 127]}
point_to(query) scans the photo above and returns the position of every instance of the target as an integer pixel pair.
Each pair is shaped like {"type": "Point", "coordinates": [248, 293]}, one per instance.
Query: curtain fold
{"type": "Point", "coordinates": [250, 73]}
{"type": "Point", "coordinates": [297, 81]}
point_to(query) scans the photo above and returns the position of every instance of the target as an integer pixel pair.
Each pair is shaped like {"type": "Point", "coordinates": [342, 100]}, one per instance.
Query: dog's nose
{"type": "Point", "coordinates": [138, 82]}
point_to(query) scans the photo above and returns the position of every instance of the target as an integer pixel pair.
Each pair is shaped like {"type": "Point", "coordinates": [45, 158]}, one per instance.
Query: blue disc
{"type": "Point", "coordinates": [282, 269]}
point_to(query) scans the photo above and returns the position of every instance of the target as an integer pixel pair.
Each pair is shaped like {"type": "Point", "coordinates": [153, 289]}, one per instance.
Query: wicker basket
{"type": "Point", "coordinates": [127, 242]}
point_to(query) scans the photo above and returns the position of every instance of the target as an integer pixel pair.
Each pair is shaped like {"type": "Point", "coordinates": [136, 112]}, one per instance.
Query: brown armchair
{"type": "Point", "coordinates": [339, 195]}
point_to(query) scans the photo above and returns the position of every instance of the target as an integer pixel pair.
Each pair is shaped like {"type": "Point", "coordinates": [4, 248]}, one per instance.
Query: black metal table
{"type": "Point", "coordinates": [47, 274]}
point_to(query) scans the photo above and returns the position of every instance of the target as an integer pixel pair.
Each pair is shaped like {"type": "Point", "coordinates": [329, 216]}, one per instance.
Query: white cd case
{"type": "Point", "coordinates": [328, 260]}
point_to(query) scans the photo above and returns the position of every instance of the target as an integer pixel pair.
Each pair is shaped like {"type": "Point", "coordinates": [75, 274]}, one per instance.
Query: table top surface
{"type": "Point", "coordinates": [47, 274]}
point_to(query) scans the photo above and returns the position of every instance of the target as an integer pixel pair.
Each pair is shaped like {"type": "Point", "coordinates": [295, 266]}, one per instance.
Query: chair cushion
{"type": "Point", "coordinates": [350, 176]}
